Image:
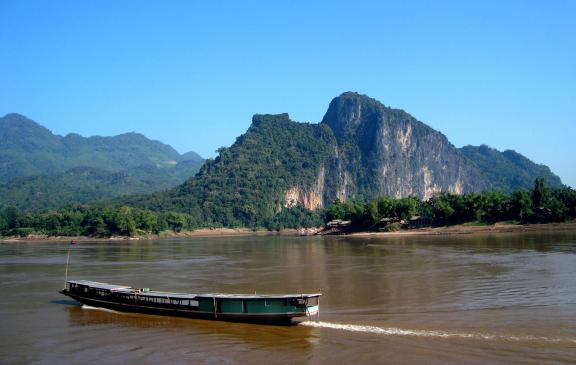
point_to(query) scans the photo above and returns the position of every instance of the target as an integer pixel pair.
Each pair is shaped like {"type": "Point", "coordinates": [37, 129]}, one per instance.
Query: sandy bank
{"type": "Point", "coordinates": [234, 232]}
{"type": "Point", "coordinates": [204, 232]}
{"type": "Point", "coordinates": [464, 229]}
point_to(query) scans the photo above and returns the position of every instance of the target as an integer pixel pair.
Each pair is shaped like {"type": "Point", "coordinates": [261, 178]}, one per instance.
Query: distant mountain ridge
{"type": "Point", "coordinates": [360, 150]}
{"type": "Point", "coordinates": [39, 169]}
{"type": "Point", "coordinates": [27, 149]}
{"type": "Point", "coordinates": [508, 170]}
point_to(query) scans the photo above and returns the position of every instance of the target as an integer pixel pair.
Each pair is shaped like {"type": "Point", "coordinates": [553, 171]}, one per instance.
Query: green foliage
{"type": "Point", "coordinates": [366, 215]}
{"type": "Point", "coordinates": [538, 193]}
{"type": "Point", "coordinates": [406, 207]}
{"type": "Point", "coordinates": [91, 221]}
{"type": "Point", "coordinates": [508, 171]}
{"type": "Point", "coordinates": [295, 217]}
{"type": "Point", "coordinates": [103, 221]}
{"type": "Point", "coordinates": [337, 210]}
{"type": "Point", "coordinates": [29, 149]}
{"type": "Point", "coordinates": [84, 184]}
{"type": "Point", "coordinates": [245, 185]}
{"type": "Point", "coordinates": [40, 170]}
{"type": "Point", "coordinates": [393, 227]}
{"type": "Point", "coordinates": [521, 205]}
{"type": "Point", "coordinates": [556, 204]}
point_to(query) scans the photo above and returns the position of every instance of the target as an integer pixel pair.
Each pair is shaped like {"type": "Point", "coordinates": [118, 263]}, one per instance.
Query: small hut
{"type": "Point", "coordinates": [419, 222]}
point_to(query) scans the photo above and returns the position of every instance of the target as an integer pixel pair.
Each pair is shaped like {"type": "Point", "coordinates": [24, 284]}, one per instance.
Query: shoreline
{"type": "Point", "coordinates": [203, 232]}
{"type": "Point", "coordinates": [308, 232]}
{"type": "Point", "coordinates": [463, 229]}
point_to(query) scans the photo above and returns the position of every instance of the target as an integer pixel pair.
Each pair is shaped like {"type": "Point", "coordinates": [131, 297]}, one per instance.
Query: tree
{"type": "Point", "coordinates": [494, 207]}
{"type": "Point", "coordinates": [538, 193]}
{"type": "Point", "coordinates": [372, 212]}
{"type": "Point", "coordinates": [3, 225]}
{"type": "Point", "coordinates": [441, 208]}
{"type": "Point", "coordinates": [146, 220]}
{"type": "Point", "coordinates": [521, 206]}
{"type": "Point", "coordinates": [406, 207]}
{"type": "Point", "coordinates": [11, 216]}
{"type": "Point", "coordinates": [337, 210]}
{"type": "Point", "coordinates": [125, 221]}
{"type": "Point", "coordinates": [176, 221]}
{"type": "Point", "coordinates": [386, 207]}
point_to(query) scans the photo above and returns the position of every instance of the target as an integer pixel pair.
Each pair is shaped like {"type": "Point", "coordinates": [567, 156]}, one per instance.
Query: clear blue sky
{"type": "Point", "coordinates": [191, 74]}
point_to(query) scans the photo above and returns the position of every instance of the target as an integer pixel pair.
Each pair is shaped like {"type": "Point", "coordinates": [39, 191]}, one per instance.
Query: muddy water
{"type": "Point", "coordinates": [474, 299]}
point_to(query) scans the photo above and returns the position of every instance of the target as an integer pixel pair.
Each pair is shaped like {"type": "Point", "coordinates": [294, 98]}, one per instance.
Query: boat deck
{"type": "Point", "coordinates": [154, 293]}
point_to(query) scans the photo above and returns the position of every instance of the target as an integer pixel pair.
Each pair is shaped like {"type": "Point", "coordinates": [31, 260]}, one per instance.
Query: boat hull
{"type": "Point", "coordinates": [263, 318]}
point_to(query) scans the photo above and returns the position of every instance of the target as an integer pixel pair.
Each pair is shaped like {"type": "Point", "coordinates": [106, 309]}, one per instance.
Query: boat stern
{"type": "Point", "coordinates": [313, 310]}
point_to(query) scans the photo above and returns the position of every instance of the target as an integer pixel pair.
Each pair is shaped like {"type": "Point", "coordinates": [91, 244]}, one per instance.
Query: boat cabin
{"type": "Point", "coordinates": [216, 305]}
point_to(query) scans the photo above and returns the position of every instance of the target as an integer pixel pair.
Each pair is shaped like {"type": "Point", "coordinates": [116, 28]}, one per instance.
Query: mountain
{"type": "Point", "coordinates": [384, 151]}
{"type": "Point", "coordinates": [28, 149]}
{"type": "Point", "coordinates": [509, 170]}
{"type": "Point", "coordinates": [41, 170]}
{"type": "Point", "coordinates": [192, 157]}
{"type": "Point", "coordinates": [251, 181]}
{"type": "Point", "coordinates": [81, 185]}
{"type": "Point", "coordinates": [360, 150]}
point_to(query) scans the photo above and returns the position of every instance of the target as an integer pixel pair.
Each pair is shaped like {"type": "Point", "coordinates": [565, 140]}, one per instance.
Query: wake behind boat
{"type": "Point", "coordinates": [280, 309]}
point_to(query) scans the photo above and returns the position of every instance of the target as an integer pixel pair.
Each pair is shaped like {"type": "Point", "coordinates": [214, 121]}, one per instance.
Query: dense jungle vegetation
{"type": "Point", "coordinates": [539, 205]}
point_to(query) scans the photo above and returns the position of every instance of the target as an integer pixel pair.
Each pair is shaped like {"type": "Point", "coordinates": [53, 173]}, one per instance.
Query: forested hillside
{"type": "Point", "coordinates": [359, 151]}
{"type": "Point", "coordinates": [40, 170]}
{"type": "Point", "coordinates": [508, 171]}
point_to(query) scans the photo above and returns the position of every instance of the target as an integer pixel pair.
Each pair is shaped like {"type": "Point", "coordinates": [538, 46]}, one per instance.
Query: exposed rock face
{"type": "Point", "coordinates": [360, 150]}
{"type": "Point", "coordinates": [308, 198]}
{"type": "Point", "coordinates": [384, 151]}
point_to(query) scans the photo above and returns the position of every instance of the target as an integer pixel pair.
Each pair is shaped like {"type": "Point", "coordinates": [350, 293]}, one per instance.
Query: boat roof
{"type": "Point", "coordinates": [151, 293]}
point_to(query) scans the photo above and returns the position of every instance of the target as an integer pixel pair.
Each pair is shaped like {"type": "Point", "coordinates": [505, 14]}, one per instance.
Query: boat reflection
{"type": "Point", "coordinates": [295, 337]}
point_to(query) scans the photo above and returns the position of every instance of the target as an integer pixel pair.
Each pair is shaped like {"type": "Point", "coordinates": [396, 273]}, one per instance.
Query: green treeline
{"type": "Point", "coordinates": [244, 186]}
{"type": "Point", "coordinates": [126, 221]}
{"type": "Point", "coordinates": [90, 221]}
{"type": "Point", "coordinates": [539, 205]}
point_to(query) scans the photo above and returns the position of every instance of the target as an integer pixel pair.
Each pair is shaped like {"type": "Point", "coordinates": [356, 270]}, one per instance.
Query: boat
{"type": "Point", "coordinates": [272, 309]}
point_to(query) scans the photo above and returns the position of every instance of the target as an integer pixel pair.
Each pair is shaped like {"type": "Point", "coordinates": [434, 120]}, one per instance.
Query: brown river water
{"type": "Point", "coordinates": [504, 298]}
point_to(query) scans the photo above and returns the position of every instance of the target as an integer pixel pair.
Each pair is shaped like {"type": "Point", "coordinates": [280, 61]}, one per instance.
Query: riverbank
{"type": "Point", "coordinates": [233, 232]}
{"type": "Point", "coordinates": [204, 232]}
{"type": "Point", "coordinates": [217, 232]}
{"type": "Point", "coordinates": [470, 229]}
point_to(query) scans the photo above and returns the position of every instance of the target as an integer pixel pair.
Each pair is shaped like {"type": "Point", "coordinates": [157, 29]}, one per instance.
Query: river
{"type": "Point", "coordinates": [476, 299]}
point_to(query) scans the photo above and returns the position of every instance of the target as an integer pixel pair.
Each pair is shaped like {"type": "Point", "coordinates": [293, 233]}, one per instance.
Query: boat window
{"type": "Point", "coordinates": [298, 302]}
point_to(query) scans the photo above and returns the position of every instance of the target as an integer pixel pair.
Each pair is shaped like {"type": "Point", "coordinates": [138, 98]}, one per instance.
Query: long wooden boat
{"type": "Point", "coordinates": [280, 309]}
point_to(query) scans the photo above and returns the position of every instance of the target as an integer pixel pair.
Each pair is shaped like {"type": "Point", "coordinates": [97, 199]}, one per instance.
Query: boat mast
{"type": "Point", "coordinates": [72, 243]}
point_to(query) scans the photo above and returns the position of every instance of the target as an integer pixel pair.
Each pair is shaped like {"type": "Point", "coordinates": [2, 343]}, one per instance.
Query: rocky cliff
{"type": "Point", "coordinates": [360, 150]}
{"type": "Point", "coordinates": [384, 151]}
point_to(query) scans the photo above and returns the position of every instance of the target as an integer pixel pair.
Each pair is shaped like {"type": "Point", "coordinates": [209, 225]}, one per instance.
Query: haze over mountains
{"type": "Point", "coordinates": [360, 150]}
{"type": "Point", "coordinates": [41, 170]}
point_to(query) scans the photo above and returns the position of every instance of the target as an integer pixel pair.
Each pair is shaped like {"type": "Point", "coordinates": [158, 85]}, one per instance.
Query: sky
{"type": "Point", "coordinates": [192, 73]}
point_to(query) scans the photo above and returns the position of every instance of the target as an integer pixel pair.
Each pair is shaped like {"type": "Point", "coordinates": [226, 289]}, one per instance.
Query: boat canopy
{"type": "Point", "coordinates": [150, 293]}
